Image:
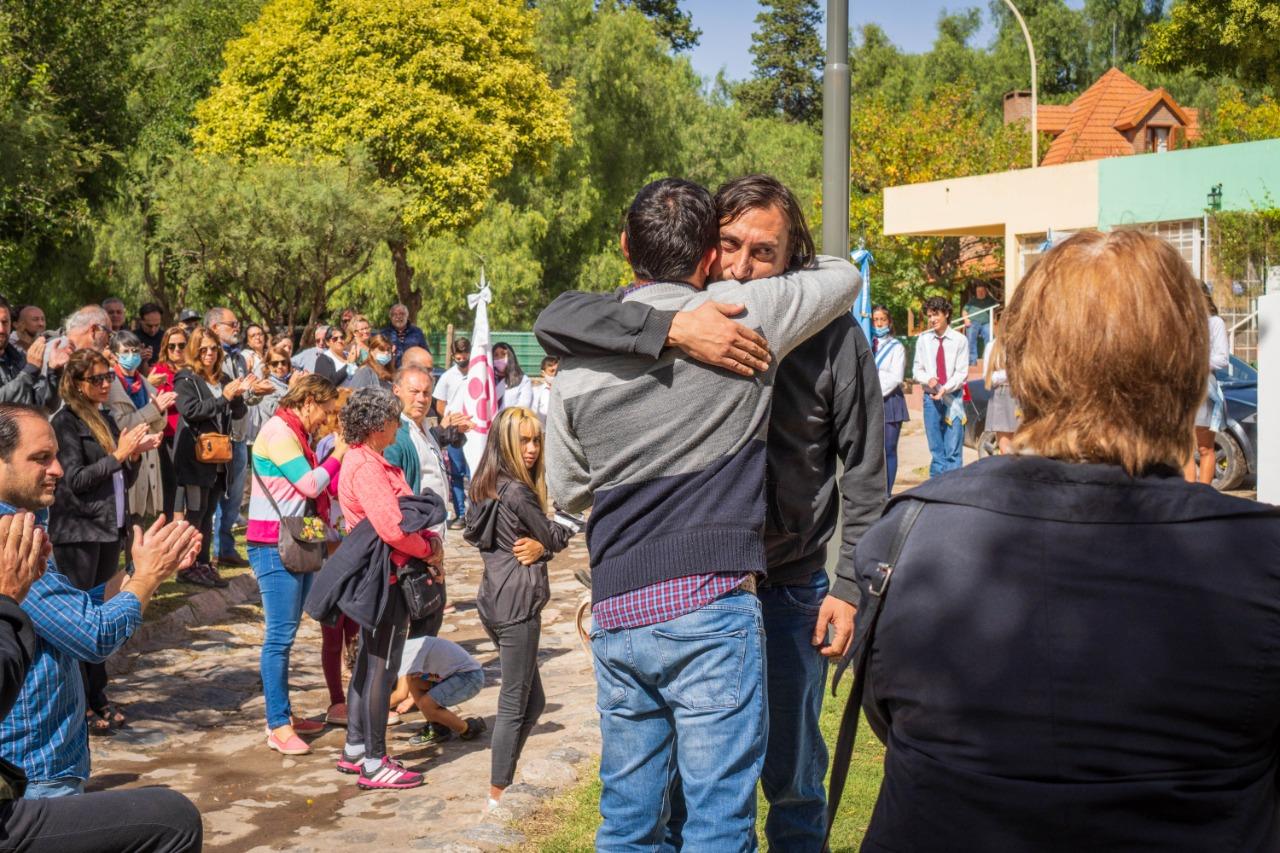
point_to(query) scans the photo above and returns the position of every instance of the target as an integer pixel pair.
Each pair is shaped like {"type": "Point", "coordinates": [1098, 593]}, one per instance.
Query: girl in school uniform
{"type": "Point", "coordinates": [891, 362]}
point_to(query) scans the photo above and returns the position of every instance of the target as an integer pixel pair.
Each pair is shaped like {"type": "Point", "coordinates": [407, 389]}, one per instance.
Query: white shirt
{"type": "Point", "coordinates": [521, 395]}
{"type": "Point", "coordinates": [542, 400]}
{"type": "Point", "coordinates": [450, 381]}
{"type": "Point", "coordinates": [891, 364]}
{"type": "Point", "coordinates": [1219, 352]}
{"type": "Point", "coordinates": [956, 353]}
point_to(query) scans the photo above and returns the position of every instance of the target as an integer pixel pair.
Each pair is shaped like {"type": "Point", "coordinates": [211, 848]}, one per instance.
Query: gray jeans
{"type": "Point", "coordinates": [374, 673]}
{"type": "Point", "coordinates": [520, 700]}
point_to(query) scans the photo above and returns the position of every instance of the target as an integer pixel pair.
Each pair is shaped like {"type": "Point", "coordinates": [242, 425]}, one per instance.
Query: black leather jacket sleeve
{"type": "Point", "coordinates": [859, 430]}
{"type": "Point", "coordinates": [594, 324]}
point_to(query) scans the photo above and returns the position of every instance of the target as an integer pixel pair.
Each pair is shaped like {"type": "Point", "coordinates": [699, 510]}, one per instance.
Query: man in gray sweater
{"type": "Point", "coordinates": [676, 531]}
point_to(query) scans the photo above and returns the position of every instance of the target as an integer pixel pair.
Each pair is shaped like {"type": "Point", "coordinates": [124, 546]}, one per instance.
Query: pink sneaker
{"type": "Point", "coordinates": [390, 774]}
{"type": "Point", "coordinates": [345, 765]}
{"type": "Point", "coordinates": [294, 745]}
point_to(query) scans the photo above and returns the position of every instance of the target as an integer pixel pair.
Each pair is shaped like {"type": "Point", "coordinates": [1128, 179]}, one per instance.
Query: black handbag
{"type": "Point", "coordinates": [302, 538]}
{"type": "Point", "coordinates": [423, 594]}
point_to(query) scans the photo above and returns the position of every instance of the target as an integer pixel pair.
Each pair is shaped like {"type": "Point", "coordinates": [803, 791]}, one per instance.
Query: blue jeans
{"type": "Point", "coordinates": [457, 688]}
{"type": "Point", "coordinates": [228, 508]}
{"type": "Point", "coordinates": [973, 332]}
{"type": "Point", "coordinates": [48, 789]}
{"type": "Point", "coordinates": [283, 593]}
{"type": "Point", "coordinates": [687, 695]}
{"type": "Point", "coordinates": [458, 479]}
{"type": "Point", "coordinates": [946, 443]}
{"type": "Point", "coordinates": [795, 763]}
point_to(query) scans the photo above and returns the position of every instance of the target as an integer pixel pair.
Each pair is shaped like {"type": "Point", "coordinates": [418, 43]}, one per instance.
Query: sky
{"type": "Point", "coordinates": [727, 26]}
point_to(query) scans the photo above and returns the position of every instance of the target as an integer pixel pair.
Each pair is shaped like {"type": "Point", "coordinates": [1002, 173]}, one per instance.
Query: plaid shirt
{"type": "Point", "coordinates": [45, 734]}
{"type": "Point", "coordinates": [663, 601]}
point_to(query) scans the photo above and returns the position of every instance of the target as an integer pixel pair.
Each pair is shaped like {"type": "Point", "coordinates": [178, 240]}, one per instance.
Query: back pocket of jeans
{"type": "Point", "coordinates": [706, 669]}
{"type": "Point", "coordinates": [609, 691]}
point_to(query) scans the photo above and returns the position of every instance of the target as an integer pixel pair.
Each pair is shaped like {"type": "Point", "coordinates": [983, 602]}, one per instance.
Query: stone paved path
{"type": "Point", "coordinates": [198, 727]}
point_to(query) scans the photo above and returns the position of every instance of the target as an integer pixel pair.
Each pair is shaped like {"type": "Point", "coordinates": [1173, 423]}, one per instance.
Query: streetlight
{"type": "Point", "coordinates": [835, 132]}
{"type": "Point", "coordinates": [1035, 88]}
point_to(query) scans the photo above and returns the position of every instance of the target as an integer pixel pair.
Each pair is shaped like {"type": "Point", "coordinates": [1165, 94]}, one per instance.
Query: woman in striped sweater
{"type": "Point", "coordinates": [286, 476]}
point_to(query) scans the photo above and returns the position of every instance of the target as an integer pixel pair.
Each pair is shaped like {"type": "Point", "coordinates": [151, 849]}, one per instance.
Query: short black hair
{"type": "Point", "coordinates": [670, 225]}
{"type": "Point", "coordinates": [938, 303]}
{"type": "Point", "coordinates": [461, 344]}
{"type": "Point", "coordinates": [10, 431]}
{"type": "Point", "coordinates": [150, 308]}
{"type": "Point", "coordinates": [549, 361]}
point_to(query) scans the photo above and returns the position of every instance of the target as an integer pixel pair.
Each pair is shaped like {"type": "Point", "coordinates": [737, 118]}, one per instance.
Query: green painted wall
{"type": "Point", "coordinates": [1175, 185]}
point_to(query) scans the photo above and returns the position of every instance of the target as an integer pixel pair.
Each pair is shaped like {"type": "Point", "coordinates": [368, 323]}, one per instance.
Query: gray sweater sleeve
{"type": "Point", "coordinates": [793, 307]}
{"type": "Point", "coordinates": [859, 427]}
{"type": "Point", "coordinates": [595, 324]}
{"type": "Point", "coordinates": [568, 477]}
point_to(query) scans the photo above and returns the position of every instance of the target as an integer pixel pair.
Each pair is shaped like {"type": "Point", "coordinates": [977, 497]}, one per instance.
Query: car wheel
{"type": "Point", "coordinates": [988, 445]}
{"type": "Point", "coordinates": [1230, 470]}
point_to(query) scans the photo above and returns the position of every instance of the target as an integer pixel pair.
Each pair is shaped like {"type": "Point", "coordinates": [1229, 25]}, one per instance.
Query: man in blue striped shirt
{"type": "Point", "coordinates": [46, 732]}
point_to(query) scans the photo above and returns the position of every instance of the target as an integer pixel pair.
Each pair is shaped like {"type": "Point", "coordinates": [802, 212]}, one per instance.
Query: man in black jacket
{"type": "Point", "coordinates": [827, 410]}
{"type": "Point", "coordinates": [143, 819]}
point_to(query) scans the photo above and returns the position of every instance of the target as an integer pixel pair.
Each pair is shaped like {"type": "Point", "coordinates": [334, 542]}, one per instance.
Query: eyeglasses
{"type": "Point", "coordinates": [234, 324]}
{"type": "Point", "coordinates": [204, 350]}
{"type": "Point", "coordinates": [177, 345]}
{"type": "Point", "coordinates": [98, 379]}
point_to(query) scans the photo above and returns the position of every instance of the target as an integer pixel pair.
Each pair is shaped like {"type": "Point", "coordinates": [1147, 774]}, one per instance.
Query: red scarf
{"type": "Point", "coordinates": [290, 417]}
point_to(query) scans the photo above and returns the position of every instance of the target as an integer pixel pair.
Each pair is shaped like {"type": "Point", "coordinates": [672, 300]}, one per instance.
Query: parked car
{"type": "Point", "coordinates": [1237, 443]}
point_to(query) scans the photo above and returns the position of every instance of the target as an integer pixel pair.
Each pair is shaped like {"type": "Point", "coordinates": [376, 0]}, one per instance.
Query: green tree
{"type": "Point", "coordinates": [787, 56]}
{"type": "Point", "coordinates": [1237, 38]}
{"type": "Point", "coordinates": [929, 139]}
{"type": "Point", "coordinates": [277, 240]}
{"type": "Point", "coordinates": [447, 97]}
{"type": "Point", "coordinates": [1117, 29]}
{"type": "Point", "coordinates": [1235, 119]}
{"type": "Point", "coordinates": [672, 24]}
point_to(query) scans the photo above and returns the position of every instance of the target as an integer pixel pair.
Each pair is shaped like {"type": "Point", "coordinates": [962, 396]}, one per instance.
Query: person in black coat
{"type": "Point", "coordinates": [206, 404]}
{"type": "Point", "coordinates": [1077, 650]}
{"type": "Point", "coordinates": [507, 521]}
{"type": "Point", "coordinates": [90, 516]}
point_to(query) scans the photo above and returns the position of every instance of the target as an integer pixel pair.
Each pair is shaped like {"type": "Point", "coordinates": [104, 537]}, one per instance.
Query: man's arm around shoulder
{"type": "Point", "coordinates": [596, 324]}
{"type": "Point", "coordinates": [795, 306]}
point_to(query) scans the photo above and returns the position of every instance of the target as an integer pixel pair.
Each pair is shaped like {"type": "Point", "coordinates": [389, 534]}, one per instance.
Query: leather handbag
{"type": "Point", "coordinates": [302, 542]}
{"type": "Point", "coordinates": [423, 594]}
{"type": "Point", "coordinates": [213, 448]}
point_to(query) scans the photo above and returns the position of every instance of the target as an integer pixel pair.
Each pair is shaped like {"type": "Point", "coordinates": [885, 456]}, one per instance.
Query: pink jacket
{"type": "Point", "coordinates": [370, 487]}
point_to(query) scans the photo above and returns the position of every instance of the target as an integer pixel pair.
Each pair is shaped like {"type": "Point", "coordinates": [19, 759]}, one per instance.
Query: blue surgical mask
{"type": "Point", "coordinates": [383, 358]}
{"type": "Point", "coordinates": [129, 361]}
{"type": "Point", "coordinates": [880, 331]}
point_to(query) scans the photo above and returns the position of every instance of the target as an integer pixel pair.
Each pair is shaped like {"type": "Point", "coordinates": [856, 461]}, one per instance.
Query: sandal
{"type": "Point", "coordinates": [98, 726]}
{"type": "Point", "coordinates": [114, 716]}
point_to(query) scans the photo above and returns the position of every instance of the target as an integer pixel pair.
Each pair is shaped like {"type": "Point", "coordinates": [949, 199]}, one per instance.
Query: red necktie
{"type": "Point", "coordinates": [942, 364]}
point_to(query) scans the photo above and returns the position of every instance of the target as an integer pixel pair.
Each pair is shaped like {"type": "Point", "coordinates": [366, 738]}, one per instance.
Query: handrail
{"type": "Point", "coordinates": [1231, 333]}
{"type": "Point", "coordinates": [990, 310]}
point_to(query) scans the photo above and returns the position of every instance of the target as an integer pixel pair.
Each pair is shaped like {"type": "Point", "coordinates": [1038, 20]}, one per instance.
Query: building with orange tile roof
{"type": "Point", "coordinates": [1114, 117]}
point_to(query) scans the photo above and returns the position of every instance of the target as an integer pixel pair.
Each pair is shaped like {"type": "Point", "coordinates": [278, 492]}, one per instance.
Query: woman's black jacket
{"type": "Point", "coordinates": [509, 592]}
{"type": "Point", "coordinates": [1073, 658]}
{"type": "Point", "coordinates": [84, 506]}
{"type": "Point", "coordinates": [200, 411]}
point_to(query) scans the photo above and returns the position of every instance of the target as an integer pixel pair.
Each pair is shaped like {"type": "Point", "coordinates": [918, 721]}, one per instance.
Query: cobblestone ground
{"type": "Point", "coordinates": [198, 727]}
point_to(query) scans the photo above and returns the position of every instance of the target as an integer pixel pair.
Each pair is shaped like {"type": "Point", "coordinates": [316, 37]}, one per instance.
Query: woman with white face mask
{"type": "Point", "coordinates": [378, 369]}
{"type": "Point", "coordinates": [891, 363]}
{"type": "Point", "coordinates": [133, 400]}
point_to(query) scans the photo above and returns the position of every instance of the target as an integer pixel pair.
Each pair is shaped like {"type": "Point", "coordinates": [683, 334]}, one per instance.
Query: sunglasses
{"type": "Point", "coordinates": [98, 379]}
{"type": "Point", "coordinates": [278, 363]}
{"type": "Point", "coordinates": [177, 346]}
{"type": "Point", "coordinates": [204, 350]}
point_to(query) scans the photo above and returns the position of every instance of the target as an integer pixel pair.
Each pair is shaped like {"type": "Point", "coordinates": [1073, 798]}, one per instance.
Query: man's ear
{"type": "Point", "coordinates": [622, 241]}
{"type": "Point", "coordinates": [708, 262]}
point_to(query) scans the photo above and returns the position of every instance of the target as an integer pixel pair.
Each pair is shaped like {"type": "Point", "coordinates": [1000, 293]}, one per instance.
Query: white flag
{"type": "Point", "coordinates": [477, 397]}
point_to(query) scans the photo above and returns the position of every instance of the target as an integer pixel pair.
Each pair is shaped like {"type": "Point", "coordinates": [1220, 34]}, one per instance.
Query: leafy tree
{"type": "Point", "coordinates": [278, 240]}
{"type": "Point", "coordinates": [672, 24]}
{"type": "Point", "coordinates": [1236, 120]}
{"type": "Point", "coordinates": [788, 62]}
{"type": "Point", "coordinates": [1117, 29]}
{"type": "Point", "coordinates": [1061, 53]}
{"type": "Point", "coordinates": [929, 139]}
{"type": "Point", "coordinates": [447, 97]}
{"type": "Point", "coordinates": [1238, 38]}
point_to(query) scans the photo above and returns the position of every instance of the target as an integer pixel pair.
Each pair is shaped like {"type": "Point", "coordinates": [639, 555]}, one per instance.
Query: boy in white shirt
{"type": "Point", "coordinates": [941, 367]}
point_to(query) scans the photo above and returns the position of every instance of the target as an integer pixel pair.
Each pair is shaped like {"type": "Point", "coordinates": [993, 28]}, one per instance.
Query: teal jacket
{"type": "Point", "coordinates": [402, 454]}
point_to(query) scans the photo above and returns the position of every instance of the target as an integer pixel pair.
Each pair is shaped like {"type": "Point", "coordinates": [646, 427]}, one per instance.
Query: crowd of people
{"type": "Point", "coordinates": [714, 618]}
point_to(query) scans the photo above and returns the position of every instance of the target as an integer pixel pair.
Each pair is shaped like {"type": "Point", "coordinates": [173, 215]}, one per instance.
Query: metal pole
{"type": "Point", "coordinates": [835, 132]}
{"type": "Point", "coordinates": [1035, 86]}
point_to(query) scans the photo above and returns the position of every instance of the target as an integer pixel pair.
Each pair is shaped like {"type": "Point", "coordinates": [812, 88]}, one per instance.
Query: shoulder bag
{"type": "Point", "coordinates": [302, 537]}
{"type": "Point", "coordinates": [879, 590]}
{"type": "Point", "coordinates": [212, 448]}
{"type": "Point", "coordinates": [423, 593]}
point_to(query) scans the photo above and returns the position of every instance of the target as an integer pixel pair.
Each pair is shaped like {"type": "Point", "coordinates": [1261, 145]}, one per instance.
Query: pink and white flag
{"type": "Point", "coordinates": [477, 397]}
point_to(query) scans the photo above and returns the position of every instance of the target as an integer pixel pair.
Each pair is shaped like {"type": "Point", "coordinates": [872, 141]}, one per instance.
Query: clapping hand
{"type": "Point", "coordinates": [163, 549]}
{"type": "Point", "coordinates": [164, 399]}
{"type": "Point", "coordinates": [132, 443]}
{"type": "Point", "coordinates": [24, 551]}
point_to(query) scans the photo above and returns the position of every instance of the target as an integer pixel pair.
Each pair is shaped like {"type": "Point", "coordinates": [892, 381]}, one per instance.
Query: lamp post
{"type": "Point", "coordinates": [1035, 86]}
{"type": "Point", "coordinates": [835, 132]}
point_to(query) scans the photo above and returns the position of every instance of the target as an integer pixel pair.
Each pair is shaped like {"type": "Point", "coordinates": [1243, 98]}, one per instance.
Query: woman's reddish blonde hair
{"type": "Point", "coordinates": [1108, 352]}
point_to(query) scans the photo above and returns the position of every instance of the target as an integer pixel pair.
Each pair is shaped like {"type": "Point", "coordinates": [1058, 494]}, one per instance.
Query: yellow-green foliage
{"type": "Point", "coordinates": [445, 96]}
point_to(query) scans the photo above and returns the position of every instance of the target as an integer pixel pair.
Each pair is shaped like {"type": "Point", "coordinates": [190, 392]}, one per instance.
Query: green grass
{"type": "Point", "coordinates": [173, 594]}
{"type": "Point", "coordinates": [568, 823]}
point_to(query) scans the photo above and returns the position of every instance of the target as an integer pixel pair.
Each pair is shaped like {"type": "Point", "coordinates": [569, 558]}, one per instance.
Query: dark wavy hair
{"type": "Point", "coordinates": [752, 192]}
